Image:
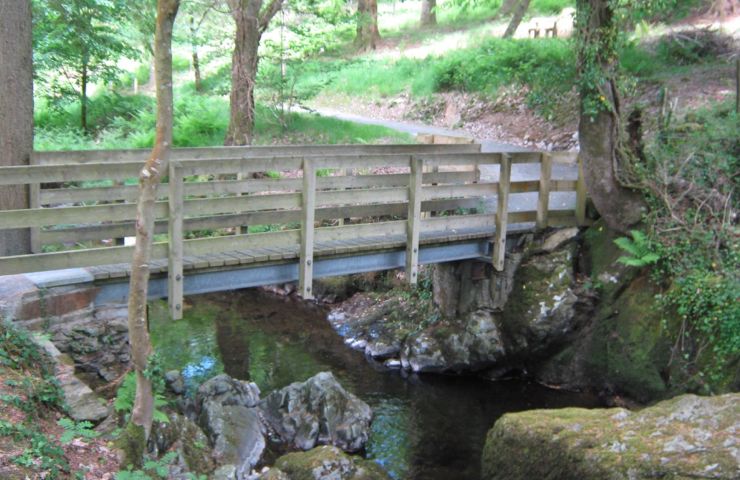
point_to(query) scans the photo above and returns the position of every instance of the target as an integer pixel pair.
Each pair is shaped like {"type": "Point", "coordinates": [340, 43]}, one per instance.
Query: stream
{"type": "Point", "coordinates": [429, 427]}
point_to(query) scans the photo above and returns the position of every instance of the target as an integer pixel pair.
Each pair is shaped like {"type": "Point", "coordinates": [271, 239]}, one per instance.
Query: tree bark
{"type": "Point", "coordinates": [83, 98]}
{"type": "Point", "coordinates": [516, 20]}
{"type": "Point", "coordinates": [368, 35]}
{"type": "Point", "coordinates": [194, 50]}
{"type": "Point", "coordinates": [505, 8]}
{"type": "Point", "coordinates": [16, 113]}
{"type": "Point", "coordinates": [251, 22]}
{"type": "Point", "coordinates": [141, 346]}
{"type": "Point", "coordinates": [605, 159]}
{"type": "Point", "coordinates": [428, 12]}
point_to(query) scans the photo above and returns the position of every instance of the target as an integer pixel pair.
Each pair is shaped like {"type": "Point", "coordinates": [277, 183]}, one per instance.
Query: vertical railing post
{"type": "Point", "coordinates": [305, 268]}
{"type": "Point", "coordinates": [502, 212]}
{"type": "Point", "coordinates": [413, 225]}
{"type": "Point", "coordinates": [34, 201]}
{"type": "Point", "coordinates": [580, 194]}
{"type": "Point", "coordinates": [175, 278]}
{"type": "Point", "coordinates": [543, 200]}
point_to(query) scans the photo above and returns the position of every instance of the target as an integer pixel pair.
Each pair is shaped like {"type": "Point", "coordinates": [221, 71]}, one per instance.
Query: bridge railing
{"type": "Point", "coordinates": [394, 196]}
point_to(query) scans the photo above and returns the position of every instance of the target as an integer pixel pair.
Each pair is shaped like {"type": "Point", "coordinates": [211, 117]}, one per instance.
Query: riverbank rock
{"type": "Point", "coordinates": [475, 319]}
{"type": "Point", "coordinates": [623, 347]}
{"type": "Point", "coordinates": [229, 416]}
{"type": "Point", "coordinates": [82, 403]}
{"type": "Point", "coordinates": [324, 463]}
{"type": "Point", "coordinates": [186, 438]}
{"type": "Point", "coordinates": [318, 411]}
{"type": "Point", "coordinates": [471, 343]}
{"type": "Point", "coordinates": [686, 437]}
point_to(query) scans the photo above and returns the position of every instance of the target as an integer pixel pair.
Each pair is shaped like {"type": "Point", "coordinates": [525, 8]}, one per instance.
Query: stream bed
{"type": "Point", "coordinates": [429, 427]}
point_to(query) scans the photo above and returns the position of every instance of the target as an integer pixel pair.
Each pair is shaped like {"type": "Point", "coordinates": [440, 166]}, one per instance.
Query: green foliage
{"type": "Point", "coordinates": [180, 63]}
{"type": "Point", "coordinates": [42, 454]}
{"type": "Point", "coordinates": [550, 7]}
{"type": "Point", "coordinates": [640, 249]}
{"type": "Point", "coordinates": [76, 40]}
{"type": "Point", "coordinates": [18, 350]}
{"type": "Point", "coordinates": [126, 394]}
{"type": "Point", "coordinates": [545, 66]}
{"type": "Point", "coordinates": [73, 430]}
{"type": "Point", "coordinates": [691, 182]}
{"type": "Point", "coordinates": [152, 469]}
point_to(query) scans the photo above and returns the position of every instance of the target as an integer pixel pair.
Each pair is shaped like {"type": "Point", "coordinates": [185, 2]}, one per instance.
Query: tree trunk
{"type": "Point", "coordinates": [194, 50]}
{"type": "Point", "coordinates": [505, 8]}
{"type": "Point", "coordinates": [516, 20]}
{"type": "Point", "coordinates": [600, 132]}
{"type": "Point", "coordinates": [251, 22]}
{"type": "Point", "coordinates": [368, 35]}
{"type": "Point", "coordinates": [16, 113]}
{"type": "Point", "coordinates": [244, 62]}
{"type": "Point", "coordinates": [140, 424]}
{"type": "Point", "coordinates": [83, 98]}
{"type": "Point", "coordinates": [428, 12]}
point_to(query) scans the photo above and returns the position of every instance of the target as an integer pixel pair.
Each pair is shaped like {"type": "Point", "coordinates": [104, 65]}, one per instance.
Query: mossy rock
{"type": "Point", "coordinates": [628, 348]}
{"type": "Point", "coordinates": [322, 463]}
{"type": "Point", "coordinates": [686, 437]}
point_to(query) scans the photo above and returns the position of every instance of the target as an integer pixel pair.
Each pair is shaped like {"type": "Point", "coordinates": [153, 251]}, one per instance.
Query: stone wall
{"type": "Point", "coordinates": [62, 304]}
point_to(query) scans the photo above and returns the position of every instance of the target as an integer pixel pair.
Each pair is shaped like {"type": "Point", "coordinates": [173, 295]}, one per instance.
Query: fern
{"type": "Point", "coordinates": [127, 393]}
{"type": "Point", "coordinates": [74, 430]}
{"type": "Point", "coordinates": [639, 248]}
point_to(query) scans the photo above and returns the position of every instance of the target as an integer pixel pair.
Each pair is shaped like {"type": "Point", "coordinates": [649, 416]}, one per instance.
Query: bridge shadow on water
{"type": "Point", "coordinates": [428, 427]}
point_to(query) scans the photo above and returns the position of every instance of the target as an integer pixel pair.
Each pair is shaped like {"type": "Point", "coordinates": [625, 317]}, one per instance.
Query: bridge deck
{"type": "Point", "coordinates": [235, 258]}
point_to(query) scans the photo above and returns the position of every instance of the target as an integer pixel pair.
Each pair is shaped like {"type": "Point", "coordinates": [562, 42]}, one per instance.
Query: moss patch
{"type": "Point", "coordinates": [628, 348]}
{"type": "Point", "coordinates": [327, 462]}
{"type": "Point", "coordinates": [686, 437]}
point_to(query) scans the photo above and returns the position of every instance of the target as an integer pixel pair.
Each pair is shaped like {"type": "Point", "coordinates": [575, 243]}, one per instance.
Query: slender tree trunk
{"type": "Point", "coordinates": [141, 346]}
{"type": "Point", "coordinates": [516, 20]}
{"type": "Point", "coordinates": [194, 50]}
{"type": "Point", "coordinates": [16, 112]}
{"type": "Point", "coordinates": [368, 35]}
{"type": "Point", "coordinates": [244, 62]}
{"type": "Point", "coordinates": [83, 98]}
{"type": "Point", "coordinates": [428, 12]}
{"type": "Point", "coordinates": [605, 159]}
{"type": "Point", "coordinates": [505, 8]}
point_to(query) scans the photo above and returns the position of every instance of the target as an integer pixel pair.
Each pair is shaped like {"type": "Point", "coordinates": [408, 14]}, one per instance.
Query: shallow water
{"type": "Point", "coordinates": [428, 427]}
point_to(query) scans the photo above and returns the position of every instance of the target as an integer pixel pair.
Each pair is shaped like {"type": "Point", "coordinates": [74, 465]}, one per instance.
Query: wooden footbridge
{"type": "Point", "coordinates": [313, 211]}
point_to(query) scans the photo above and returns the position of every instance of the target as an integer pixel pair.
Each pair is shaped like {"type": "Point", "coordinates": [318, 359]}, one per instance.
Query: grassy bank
{"type": "Point", "coordinates": [128, 121]}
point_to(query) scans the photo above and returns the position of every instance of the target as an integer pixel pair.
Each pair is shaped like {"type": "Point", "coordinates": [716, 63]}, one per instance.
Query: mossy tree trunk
{"type": "Point", "coordinates": [605, 160]}
{"type": "Point", "coordinates": [16, 113]}
{"type": "Point", "coordinates": [368, 35]}
{"type": "Point", "coordinates": [140, 423]}
{"type": "Point", "coordinates": [251, 18]}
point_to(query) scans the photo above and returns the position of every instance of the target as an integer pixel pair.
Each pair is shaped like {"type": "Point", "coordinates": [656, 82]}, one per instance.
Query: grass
{"type": "Point", "coordinates": [199, 121]}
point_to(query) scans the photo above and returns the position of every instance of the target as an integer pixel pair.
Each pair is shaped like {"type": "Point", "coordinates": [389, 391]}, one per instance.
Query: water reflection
{"type": "Point", "coordinates": [424, 427]}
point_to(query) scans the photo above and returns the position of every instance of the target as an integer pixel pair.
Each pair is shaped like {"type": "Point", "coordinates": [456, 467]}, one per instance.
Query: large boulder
{"type": "Point", "coordinates": [686, 437]}
{"type": "Point", "coordinates": [324, 463]}
{"type": "Point", "coordinates": [318, 411]}
{"type": "Point", "coordinates": [623, 348]}
{"type": "Point", "coordinates": [229, 416]}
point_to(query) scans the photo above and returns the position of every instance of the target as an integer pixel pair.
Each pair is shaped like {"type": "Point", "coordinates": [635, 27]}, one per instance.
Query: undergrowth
{"type": "Point", "coordinates": [691, 181]}
{"type": "Point", "coordinates": [199, 121]}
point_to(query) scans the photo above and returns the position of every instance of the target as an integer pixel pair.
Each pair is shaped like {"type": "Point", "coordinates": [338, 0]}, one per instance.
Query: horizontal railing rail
{"type": "Point", "coordinates": [323, 200]}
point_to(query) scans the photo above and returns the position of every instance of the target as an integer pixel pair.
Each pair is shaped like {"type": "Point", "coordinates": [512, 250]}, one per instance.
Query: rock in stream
{"type": "Point", "coordinates": [318, 411]}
